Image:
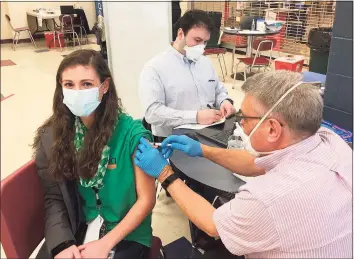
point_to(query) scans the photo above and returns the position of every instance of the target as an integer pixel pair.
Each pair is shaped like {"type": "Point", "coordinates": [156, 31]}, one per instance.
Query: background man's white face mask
{"type": "Point", "coordinates": [194, 53]}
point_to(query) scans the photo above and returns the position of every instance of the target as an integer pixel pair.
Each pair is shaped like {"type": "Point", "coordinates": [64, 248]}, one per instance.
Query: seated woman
{"type": "Point", "coordinates": [83, 154]}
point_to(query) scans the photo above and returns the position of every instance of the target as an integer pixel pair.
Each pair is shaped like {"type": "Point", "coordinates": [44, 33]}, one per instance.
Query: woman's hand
{"type": "Point", "coordinates": [71, 252]}
{"type": "Point", "coordinates": [95, 249]}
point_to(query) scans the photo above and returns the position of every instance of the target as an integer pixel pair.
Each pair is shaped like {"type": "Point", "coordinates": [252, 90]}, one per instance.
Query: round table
{"type": "Point", "coordinates": [250, 35]}
{"type": "Point", "coordinates": [203, 170]}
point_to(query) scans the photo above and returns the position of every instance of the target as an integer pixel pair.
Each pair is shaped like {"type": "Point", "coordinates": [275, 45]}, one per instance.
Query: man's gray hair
{"type": "Point", "coordinates": [301, 109]}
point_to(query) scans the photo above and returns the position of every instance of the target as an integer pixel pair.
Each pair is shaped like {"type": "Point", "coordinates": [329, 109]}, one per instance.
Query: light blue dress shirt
{"type": "Point", "coordinates": [173, 89]}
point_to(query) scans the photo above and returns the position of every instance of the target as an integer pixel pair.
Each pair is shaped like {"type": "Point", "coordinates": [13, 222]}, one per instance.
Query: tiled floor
{"type": "Point", "coordinates": [32, 81]}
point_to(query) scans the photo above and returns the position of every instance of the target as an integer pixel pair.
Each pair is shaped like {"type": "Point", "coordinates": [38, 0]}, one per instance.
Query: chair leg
{"type": "Point", "coordinates": [223, 58]}
{"type": "Point", "coordinates": [236, 67]}
{"type": "Point", "coordinates": [61, 49]}
{"type": "Point", "coordinates": [73, 39]}
{"type": "Point", "coordinates": [54, 44]}
{"type": "Point", "coordinates": [80, 33]}
{"type": "Point", "coordinates": [78, 40]}
{"type": "Point", "coordinates": [85, 35]}
{"type": "Point", "coordinates": [245, 73]}
{"type": "Point", "coordinates": [222, 71]}
{"type": "Point", "coordinates": [31, 38]}
{"type": "Point", "coordinates": [13, 41]}
{"type": "Point", "coordinates": [17, 38]}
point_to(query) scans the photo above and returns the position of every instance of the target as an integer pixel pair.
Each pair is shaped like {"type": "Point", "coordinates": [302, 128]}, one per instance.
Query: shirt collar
{"type": "Point", "coordinates": [178, 54]}
{"type": "Point", "coordinates": [271, 161]}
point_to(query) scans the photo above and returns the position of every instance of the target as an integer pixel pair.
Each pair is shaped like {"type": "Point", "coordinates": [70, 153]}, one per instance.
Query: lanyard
{"type": "Point", "coordinates": [98, 201]}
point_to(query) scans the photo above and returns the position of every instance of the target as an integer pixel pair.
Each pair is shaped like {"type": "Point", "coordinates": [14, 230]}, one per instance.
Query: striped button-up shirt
{"type": "Point", "coordinates": [173, 89]}
{"type": "Point", "coordinates": [301, 207]}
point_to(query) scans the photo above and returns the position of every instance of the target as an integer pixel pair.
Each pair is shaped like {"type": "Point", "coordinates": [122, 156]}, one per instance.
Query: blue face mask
{"type": "Point", "coordinates": [81, 102]}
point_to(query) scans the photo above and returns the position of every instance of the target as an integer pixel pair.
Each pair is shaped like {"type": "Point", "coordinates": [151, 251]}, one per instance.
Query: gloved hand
{"type": "Point", "coordinates": [183, 143]}
{"type": "Point", "coordinates": [149, 159]}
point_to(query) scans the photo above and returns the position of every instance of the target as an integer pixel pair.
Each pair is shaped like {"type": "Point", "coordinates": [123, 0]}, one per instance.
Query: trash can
{"type": "Point", "coordinates": [319, 42]}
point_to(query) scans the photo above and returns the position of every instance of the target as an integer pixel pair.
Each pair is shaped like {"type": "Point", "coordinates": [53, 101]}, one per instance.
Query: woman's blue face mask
{"type": "Point", "coordinates": [82, 103]}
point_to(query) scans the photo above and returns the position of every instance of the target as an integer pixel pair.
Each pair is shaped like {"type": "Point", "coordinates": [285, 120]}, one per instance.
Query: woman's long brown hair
{"type": "Point", "coordinates": [64, 162]}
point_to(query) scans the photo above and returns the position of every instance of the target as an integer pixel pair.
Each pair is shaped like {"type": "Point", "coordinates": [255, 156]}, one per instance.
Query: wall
{"type": "Point", "coordinates": [338, 97]}
{"type": "Point", "coordinates": [130, 47]}
{"type": "Point", "coordinates": [17, 12]}
{"type": "Point", "coordinates": [185, 6]}
{"type": "Point", "coordinates": [5, 28]}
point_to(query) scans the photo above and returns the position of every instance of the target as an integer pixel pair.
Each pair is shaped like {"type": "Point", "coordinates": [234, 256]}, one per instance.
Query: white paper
{"type": "Point", "coordinates": [242, 177]}
{"type": "Point", "coordinates": [195, 126]}
{"type": "Point", "coordinates": [93, 230]}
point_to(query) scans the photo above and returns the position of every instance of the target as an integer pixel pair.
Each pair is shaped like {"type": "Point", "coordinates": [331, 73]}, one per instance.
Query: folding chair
{"type": "Point", "coordinates": [257, 61]}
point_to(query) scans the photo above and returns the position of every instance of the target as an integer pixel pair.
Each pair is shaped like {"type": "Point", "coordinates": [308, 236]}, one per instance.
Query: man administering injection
{"type": "Point", "coordinates": [299, 204]}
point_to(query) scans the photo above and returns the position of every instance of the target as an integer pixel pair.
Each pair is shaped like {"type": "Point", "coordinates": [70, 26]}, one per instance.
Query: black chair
{"type": "Point", "coordinates": [146, 125]}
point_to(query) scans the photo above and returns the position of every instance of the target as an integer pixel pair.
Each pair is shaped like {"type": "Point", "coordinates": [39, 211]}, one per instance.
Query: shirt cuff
{"type": "Point", "coordinates": [62, 247]}
{"type": "Point", "coordinates": [220, 99]}
{"type": "Point", "coordinates": [190, 116]}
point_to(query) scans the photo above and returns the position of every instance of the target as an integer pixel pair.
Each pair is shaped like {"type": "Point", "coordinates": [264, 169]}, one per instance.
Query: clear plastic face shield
{"type": "Point", "coordinates": [240, 140]}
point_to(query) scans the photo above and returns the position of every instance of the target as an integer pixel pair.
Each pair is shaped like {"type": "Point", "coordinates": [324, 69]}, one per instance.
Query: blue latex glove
{"type": "Point", "coordinates": [183, 143]}
{"type": "Point", "coordinates": [149, 159]}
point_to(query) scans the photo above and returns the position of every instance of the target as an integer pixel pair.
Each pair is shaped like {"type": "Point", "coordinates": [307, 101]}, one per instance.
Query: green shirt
{"type": "Point", "coordinates": [118, 194]}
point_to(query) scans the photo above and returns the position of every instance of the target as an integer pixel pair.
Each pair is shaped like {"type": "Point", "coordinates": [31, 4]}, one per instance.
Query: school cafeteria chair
{"type": "Point", "coordinates": [257, 61]}
{"type": "Point", "coordinates": [67, 28]}
{"type": "Point", "coordinates": [18, 32]}
{"type": "Point", "coordinates": [22, 214]}
{"type": "Point", "coordinates": [219, 52]}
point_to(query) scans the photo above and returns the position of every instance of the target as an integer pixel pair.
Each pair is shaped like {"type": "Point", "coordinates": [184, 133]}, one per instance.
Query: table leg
{"type": "Point", "coordinates": [233, 59]}
{"type": "Point", "coordinates": [240, 76]}
{"type": "Point", "coordinates": [55, 23]}
{"type": "Point", "coordinates": [46, 24]}
{"type": "Point", "coordinates": [249, 46]}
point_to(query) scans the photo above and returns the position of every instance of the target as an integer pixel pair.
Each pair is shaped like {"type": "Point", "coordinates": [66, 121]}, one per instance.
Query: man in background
{"type": "Point", "coordinates": [180, 85]}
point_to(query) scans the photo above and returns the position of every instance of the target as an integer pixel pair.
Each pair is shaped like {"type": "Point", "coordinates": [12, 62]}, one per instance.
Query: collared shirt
{"type": "Point", "coordinates": [173, 89]}
{"type": "Point", "coordinates": [301, 207]}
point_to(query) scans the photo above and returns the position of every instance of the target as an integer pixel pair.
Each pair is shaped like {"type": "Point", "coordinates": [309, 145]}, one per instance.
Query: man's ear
{"type": "Point", "coordinates": [180, 34]}
{"type": "Point", "coordinates": [275, 130]}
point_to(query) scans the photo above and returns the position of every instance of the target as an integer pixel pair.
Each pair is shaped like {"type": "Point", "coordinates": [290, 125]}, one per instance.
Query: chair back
{"type": "Point", "coordinates": [22, 212]}
{"type": "Point", "coordinates": [155, 249]}
{"type": "Point", "coordinates": [66, 22]}
{"type": "Point", "coordinates": [9, 21]}
{"type": "Point", "coordinates": [264, 44]}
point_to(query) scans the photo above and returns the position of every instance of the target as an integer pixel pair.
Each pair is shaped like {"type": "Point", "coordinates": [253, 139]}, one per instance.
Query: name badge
{"type": "Point", "coordinates": [93, 230]}
{"type": "Point", "coordinates": [112, 163]}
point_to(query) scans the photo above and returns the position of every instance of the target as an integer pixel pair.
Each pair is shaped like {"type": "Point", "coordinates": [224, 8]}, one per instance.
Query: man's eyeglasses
{"type": "Point", "coordinates": [239, 116]}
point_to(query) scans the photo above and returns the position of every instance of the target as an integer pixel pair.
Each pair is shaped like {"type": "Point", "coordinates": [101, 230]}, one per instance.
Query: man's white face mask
{"type": "Point", "coordinates": [246, 139]}
{"type": "Point", "coordinates": [194, 53]}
